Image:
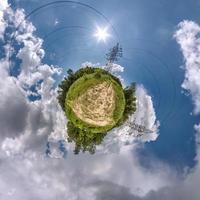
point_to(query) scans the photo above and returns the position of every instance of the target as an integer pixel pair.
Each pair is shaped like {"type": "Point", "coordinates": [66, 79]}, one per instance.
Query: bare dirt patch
{"type": "Point", "coordinates": [96, 105]}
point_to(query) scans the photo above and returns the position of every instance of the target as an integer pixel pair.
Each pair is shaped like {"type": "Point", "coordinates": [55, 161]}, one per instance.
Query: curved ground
{"type": "Point", "coordinates": [96, 105]}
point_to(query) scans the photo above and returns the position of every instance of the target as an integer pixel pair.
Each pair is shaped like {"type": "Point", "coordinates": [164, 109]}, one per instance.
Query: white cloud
{"type": "Point", "coordinates": [188, 38]}
{"type": "Point", "coordinates": [31, 122]}
{"type": "Point", "coordinates": [113, 68]}
{"type": "Point", "coordinates": [33, 177]}
{"type": "Point", "coordinates": [3, 6]}
{"type": "Point", "coordinates": [90, 64]}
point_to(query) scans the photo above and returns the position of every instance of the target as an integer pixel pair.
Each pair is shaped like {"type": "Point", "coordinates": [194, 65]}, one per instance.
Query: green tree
{"type": "Point", "coordinates": [84, 140]}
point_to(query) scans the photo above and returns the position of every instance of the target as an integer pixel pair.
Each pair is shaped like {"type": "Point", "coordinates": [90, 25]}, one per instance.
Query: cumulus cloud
{"type": "Point", "coordinates": [3, 7]}
{"type": "Point", "coordinates": [90, 64]}
{"type": "Point", "coordinates": [188, 38]}
{"type": "Point", "coordinates": [21, 119]}
{"type": "Point", "coordinates": [113, 68]}
{"type": "Point", "coordinates": [34, 177]}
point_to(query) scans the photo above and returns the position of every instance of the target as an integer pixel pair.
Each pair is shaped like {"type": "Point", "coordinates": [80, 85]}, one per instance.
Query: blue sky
{"type": "Point", "coordinates": [153, 56]}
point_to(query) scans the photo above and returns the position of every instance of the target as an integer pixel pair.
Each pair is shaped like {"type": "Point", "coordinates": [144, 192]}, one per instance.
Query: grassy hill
{"type": "Point", "coordinates": [95, 102]}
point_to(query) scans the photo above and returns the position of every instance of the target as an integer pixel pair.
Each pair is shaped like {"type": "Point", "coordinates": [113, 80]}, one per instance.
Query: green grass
{"type": "Point", "coordinates": [80, 86]}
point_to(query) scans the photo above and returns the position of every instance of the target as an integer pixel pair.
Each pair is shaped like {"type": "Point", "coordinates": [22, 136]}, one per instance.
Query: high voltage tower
{"type": "Point", "coordinates": [114, 54]}
{"type": "Point", "coordinates": [140, 129]}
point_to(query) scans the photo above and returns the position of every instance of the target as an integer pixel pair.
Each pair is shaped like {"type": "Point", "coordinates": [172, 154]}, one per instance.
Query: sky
{"type": "Point", "coordinates": [40, 40]}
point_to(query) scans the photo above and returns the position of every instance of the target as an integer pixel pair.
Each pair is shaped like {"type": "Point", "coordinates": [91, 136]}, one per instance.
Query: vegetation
{"type": "Point", "coordinates": [79, 87]}
{"type": "Point", "coordinates": [84, 140]}
{"type": "Point", "coordinates": [85, 135]}
{"type": "Point", "coordinates": [130, 103]}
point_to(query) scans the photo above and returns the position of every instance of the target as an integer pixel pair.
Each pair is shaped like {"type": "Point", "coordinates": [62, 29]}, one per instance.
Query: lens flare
{"type": "Point", "coordinates": [102, 34]}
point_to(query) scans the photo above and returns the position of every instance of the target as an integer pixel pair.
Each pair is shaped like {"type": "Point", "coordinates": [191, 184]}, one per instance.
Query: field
{"type": "Point", "coordinates": [95, 102]}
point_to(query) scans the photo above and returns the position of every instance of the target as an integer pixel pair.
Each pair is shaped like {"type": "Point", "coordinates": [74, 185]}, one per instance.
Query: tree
{"type": "Point", "coordinates": [84, 140]}
{"type": "Point", "coordinates": [70, 72]}
{"type": "Point", "coordinates": [130, 105]}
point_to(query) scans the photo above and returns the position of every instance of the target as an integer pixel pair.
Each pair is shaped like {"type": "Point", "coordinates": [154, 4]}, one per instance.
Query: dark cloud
{"type": "Point", "coordinates": [13, 110]}
{"type": "Point", "coordinates": [106, 190]}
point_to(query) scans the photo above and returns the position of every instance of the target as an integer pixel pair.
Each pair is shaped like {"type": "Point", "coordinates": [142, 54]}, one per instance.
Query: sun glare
{"type": "Point", "coordinates": [102, 34]}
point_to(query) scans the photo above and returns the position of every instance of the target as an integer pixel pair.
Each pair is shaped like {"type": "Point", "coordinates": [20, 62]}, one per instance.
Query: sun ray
{"type": "Point", "coordinates": [102, 34]}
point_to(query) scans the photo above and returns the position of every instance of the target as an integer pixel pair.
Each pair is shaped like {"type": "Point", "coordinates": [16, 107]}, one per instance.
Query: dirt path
{"type": "Point", "coordinates": [96, 105]}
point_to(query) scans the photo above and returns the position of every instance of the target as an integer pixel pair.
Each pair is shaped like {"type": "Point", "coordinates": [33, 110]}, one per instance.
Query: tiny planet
{"type": "Point", "coordinates": [94, 102]}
